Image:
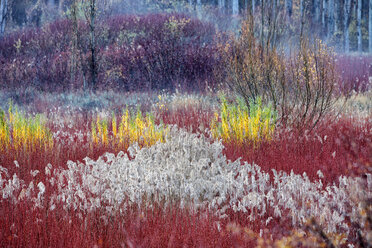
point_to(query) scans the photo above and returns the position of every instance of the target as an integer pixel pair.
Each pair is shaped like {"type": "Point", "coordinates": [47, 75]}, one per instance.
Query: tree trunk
{"type": "Point", "coordinates": [302, 7]}
{"type": "Point", "coordinates": [324, 17]}
{"type": "Point", "coordinates": [253, 6]}
{"type": "Point", "coordinates": [74, 45]}
{"type": "Point", "coordinates": [221, 5]}
{"type": "Point", "coordinates": [317, 11]}
{"type": "Point", "coordinates": [288, 7]}
{"type": "Point", "coordinates": [93, 62]}
{"type": "Point", "coordinates": [359, 25]}
{"type": "Point", "coordinates": [370, 26]}
{"type": "Point", "coordinates": [347, 6]}
{"type": "Point", "coordinates": [262, 26]}
{"type": "Point", "coordinates": [336, 15]}
{"type": "Point", "coordinates": [274, 22]}
{"type": "Point", "coordinates": [331, 19]}
{"type": "Point", "coordinates": [235, 7]}
{"type": "Point", "coordinates": [302, 21]}
{"type": "Point", "coordinates": [3, 15]}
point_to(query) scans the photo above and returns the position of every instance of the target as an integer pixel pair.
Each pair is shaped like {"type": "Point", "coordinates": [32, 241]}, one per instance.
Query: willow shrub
{"type": "Point", "coordinates": [300, 85]}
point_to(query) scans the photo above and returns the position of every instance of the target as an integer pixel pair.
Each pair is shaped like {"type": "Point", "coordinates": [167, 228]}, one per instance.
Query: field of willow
{"type": "Point", "coordinates": [173, 148]}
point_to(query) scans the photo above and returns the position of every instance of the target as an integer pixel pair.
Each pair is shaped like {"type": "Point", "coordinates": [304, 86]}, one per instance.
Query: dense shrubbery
{"type": "Point", "coordinates": [166, 51]}
{"type": "Point", "coordinates": [155, 51]}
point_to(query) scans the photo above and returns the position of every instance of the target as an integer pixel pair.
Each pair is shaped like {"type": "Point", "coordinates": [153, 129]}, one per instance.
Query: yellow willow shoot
{"type": "Point", "coordinates": [99, 128]}
{"type": "Point", "coordinates": [10, 111]}
{"type": "Point", "coordinates": [94, 133]}
{"type": "Point", "coordinates": [225, 132]}
{"type": "Point", "coordinates": [132, 128]}
{"type": "Point", "coordinates": [104, 132]}
{"type": "Point", "coordinates": [114, 125]}
{"type": "Point", "coordinates": [150, 130]}
{"type": "Point", "coordinates": [123, 127]}
{"type": "Point", "coordinates": [240, 123]}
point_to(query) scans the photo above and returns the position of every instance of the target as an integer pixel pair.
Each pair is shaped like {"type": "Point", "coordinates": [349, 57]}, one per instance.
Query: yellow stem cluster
{"type": "Point", "coordinates": [237, 122]}
{"type": "Point", "coordinates": [129, 129]}
{"type": "Point", "coordinates": [23, 133]}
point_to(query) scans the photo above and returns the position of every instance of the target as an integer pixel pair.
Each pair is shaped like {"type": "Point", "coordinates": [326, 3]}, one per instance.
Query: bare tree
{"type": "Point", "coordinates": [77, 47]}
{"type": "Point", "coordinates": [81, 44]}
{"type": "Point", "coordinates": [90, 12]}
{"type": "Point", "coordinates": [3, 15]}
